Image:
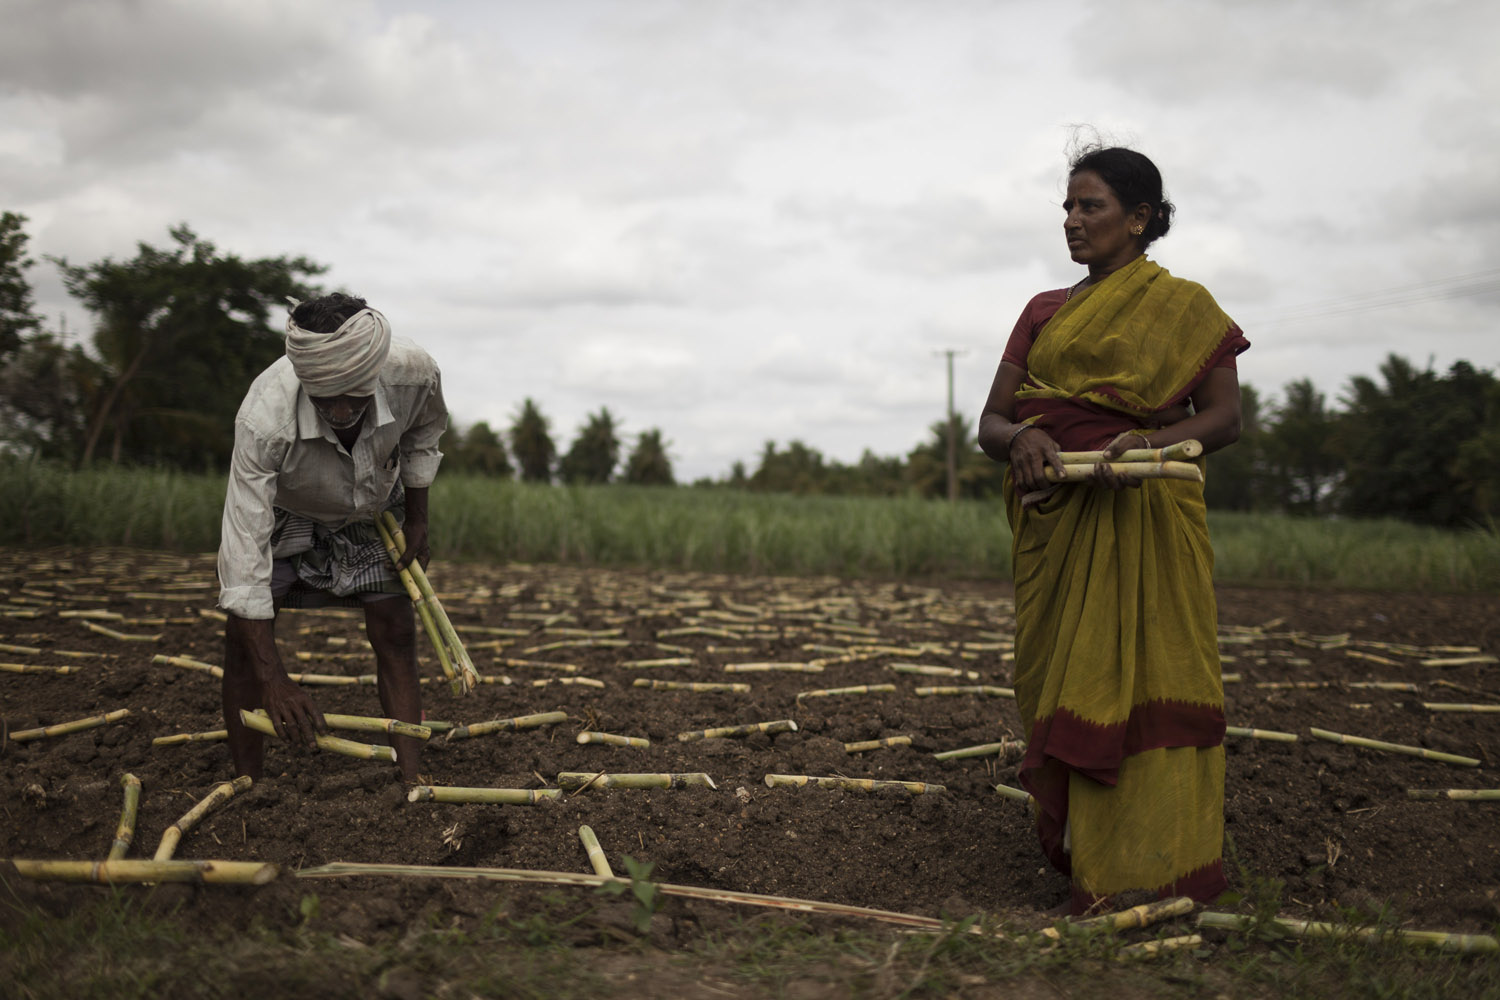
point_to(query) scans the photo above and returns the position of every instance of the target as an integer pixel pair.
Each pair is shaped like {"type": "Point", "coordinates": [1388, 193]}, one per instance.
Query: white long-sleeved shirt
{"type": "Point", "coordinates": [286, 455]}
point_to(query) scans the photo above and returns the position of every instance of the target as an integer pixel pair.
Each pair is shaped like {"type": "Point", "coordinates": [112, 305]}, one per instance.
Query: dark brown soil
{"type": "Point", "coordinates": [1334, 823]}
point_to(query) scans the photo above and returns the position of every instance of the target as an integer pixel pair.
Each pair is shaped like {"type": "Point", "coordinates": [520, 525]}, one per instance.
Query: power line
{"type": "Point", "coordinates": [1440, 289]}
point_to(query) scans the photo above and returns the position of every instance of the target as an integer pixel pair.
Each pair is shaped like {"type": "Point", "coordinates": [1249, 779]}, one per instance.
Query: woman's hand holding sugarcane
{"type": "Point", "coordinates": [1032, 452]}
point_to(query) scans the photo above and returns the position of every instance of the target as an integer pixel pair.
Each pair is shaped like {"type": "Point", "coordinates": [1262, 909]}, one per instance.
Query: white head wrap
{"type": "Point", "coordinates": [345, 362]}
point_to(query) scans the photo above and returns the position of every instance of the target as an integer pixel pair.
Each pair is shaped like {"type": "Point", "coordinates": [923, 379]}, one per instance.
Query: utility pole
{"type": "Point", "coordinates": [952, 433]}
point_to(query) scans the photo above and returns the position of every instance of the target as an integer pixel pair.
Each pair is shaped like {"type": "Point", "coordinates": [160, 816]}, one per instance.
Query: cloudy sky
{"type": "Point", "coordinates": [751, 220]}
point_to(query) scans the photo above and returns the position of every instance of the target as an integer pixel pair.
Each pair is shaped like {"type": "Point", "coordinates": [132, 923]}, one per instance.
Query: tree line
{"type": "Point", "coordinates": [179, 332]}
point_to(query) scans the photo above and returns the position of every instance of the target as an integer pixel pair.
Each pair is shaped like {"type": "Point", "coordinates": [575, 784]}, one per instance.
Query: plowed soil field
{"type": "Point", "coordinates": [1333, 822]}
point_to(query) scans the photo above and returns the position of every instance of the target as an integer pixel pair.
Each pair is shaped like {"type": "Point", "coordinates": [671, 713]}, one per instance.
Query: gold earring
{"type": "Point", "coordinates": [1137, 230]}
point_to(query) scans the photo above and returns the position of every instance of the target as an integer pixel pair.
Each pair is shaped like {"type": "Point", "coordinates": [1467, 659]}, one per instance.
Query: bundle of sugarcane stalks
{"type": "Point", "coordinates": [1172, 462]}
{"type": "Point", "coordinates": [457, 666]}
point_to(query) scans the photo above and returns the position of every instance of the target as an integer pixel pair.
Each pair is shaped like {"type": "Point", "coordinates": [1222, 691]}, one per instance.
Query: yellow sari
{"type": "Point", "coordinates": [1117, 666]}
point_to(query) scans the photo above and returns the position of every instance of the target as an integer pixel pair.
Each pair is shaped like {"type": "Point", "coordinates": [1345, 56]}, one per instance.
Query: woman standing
{"type": "Point", "coordinates": [1117, 665]}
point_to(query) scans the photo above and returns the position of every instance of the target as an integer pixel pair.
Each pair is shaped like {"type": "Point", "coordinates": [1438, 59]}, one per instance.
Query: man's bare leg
{"type": "Point", "coordinates": [391, 627]}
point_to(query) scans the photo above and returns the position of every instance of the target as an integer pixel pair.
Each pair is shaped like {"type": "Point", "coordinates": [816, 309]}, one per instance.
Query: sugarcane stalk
{"type": "Point", "coordinates": [597, 860]}
{"type": "Point", "coordinates": [1141, 470]}
{"type": "Point", "coordinates": [580, 780]}
{"type": "Point", "coordinates": [1143, 915]}
{"type": "Point", "coordinates": [748, 729]}
{"type": "Point", "coordinates": [1008, 792]}
{"type": "Point", "coordinates": [567, 668]}
{"type": "Point", "coordinates": [222, 793]}
{"type": "Point", "coordinates": [856, 689]}
{"type": "Point", "coordinates": [1180, 452]}
{"type": "Point", "coordinates": [850, 784]}
{"type": "Point", "coordinates": [568, 682]}
{"type": "Point", "coordinates": [1004, 747]}
{"type": "Point", "coordinates": [1454, 706]}
{"type": "Point", "coordinates": [670, 661]}
{"type": "Point", "coordinates": [793, 668]}
{"type": "Point", "coordinates": [418, 600]}
{"type": "Point", "coordinates": [1261, 734]}
{"type": "Point", "coordinates": [1467, 943]}
{"type": "Point", "coordinates": [715, 633]}
{"type": "Point", "coordinates": [366, 724]}
{"type": "Point", "coordinates": [614, 740]}
{"type": "Point", "coordinates": [6, 647]}
{"type": "Point", "coordinates": [333, 680]}
{"type": "Point", "coordinates": [507, 725]}
{"type": "Point", "coordinates": [458, 656]}
{"type": "Point", "coordinates": [104, 630]}
{"type": "Point", "coordinates": [125, 831]}
{"type": "Point", "coordinates": [502, 796]}
{"type": "Point", "coordinates": [1153, 949]}
{"type": "Point", "coordinates": [135, 870]}
{"type": "Point", "coordinates": [76, 726]}
{"type": "Point", "coordinates": [1423, 752]}
{"type": "Point", "coordinates": [1458, 661]}
{"type": "Point", "coordinates": [889, 741]}
{"type": "Point", "coordinates": [333, 744]}
{"type": "Point", "coordinates": [985, 689]}
{"type": "Point", "coordinates": [188, 663]}
{"type": "Point", "coordinates": [931, 670]}
{"type": "Point", "coordinates": [177, 739]}
{"type": "Point", "coordinates": [1456, 794]}
{"type": "Point", "coordinates": [695, 686]}
{"type": "Point", "coordinates": [575, 643]}
{"type": "Point", "coordinates": [31, 668]}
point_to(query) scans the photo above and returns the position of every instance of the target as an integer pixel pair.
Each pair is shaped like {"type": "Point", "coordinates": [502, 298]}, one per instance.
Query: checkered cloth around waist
{"type": "Point", "coordinates": [341, 561]}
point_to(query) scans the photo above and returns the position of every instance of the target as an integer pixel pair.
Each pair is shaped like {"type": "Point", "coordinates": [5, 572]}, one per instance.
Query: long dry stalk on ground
{"type": "Point", "coordinates": [581, 880]}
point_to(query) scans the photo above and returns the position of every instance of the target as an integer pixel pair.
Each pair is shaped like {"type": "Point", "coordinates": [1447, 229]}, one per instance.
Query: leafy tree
{"type": "Point", "coordinates": [478, 450]}
{"type": "Point", "coordinates": [180, 333]}
{"type": "Point", "coordinates": [799, 469]}
{"type": "Point", "coordinates": [531, 443]}
{"type": "Point", "coordinates": [1477, 463]}
{"type": "Point", "coordinates": [1300, 463]}
{"type": "Point", "coordinates": [17, 315]}
{"type": "Point", "coordinates": [45, 388]}
{"type": "Point", "coordinates": [927, 464]}
{"type": "Point", "coordinates": [1401, 442]}
{"type": "Point", "coordinates": [594, 453]}
{"type": "Point", "coordinates": [648, 464]}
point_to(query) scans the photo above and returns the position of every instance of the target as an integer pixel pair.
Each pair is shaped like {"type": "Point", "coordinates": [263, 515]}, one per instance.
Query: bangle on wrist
{"type": "Point", "coordinates": [1020, 429]}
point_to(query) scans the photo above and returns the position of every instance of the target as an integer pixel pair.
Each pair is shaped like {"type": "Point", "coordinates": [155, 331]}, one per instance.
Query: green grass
{"type": "Point", "coordinates": [122, 943]}
{"type": "Point", "coordinates": [721, 530]}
